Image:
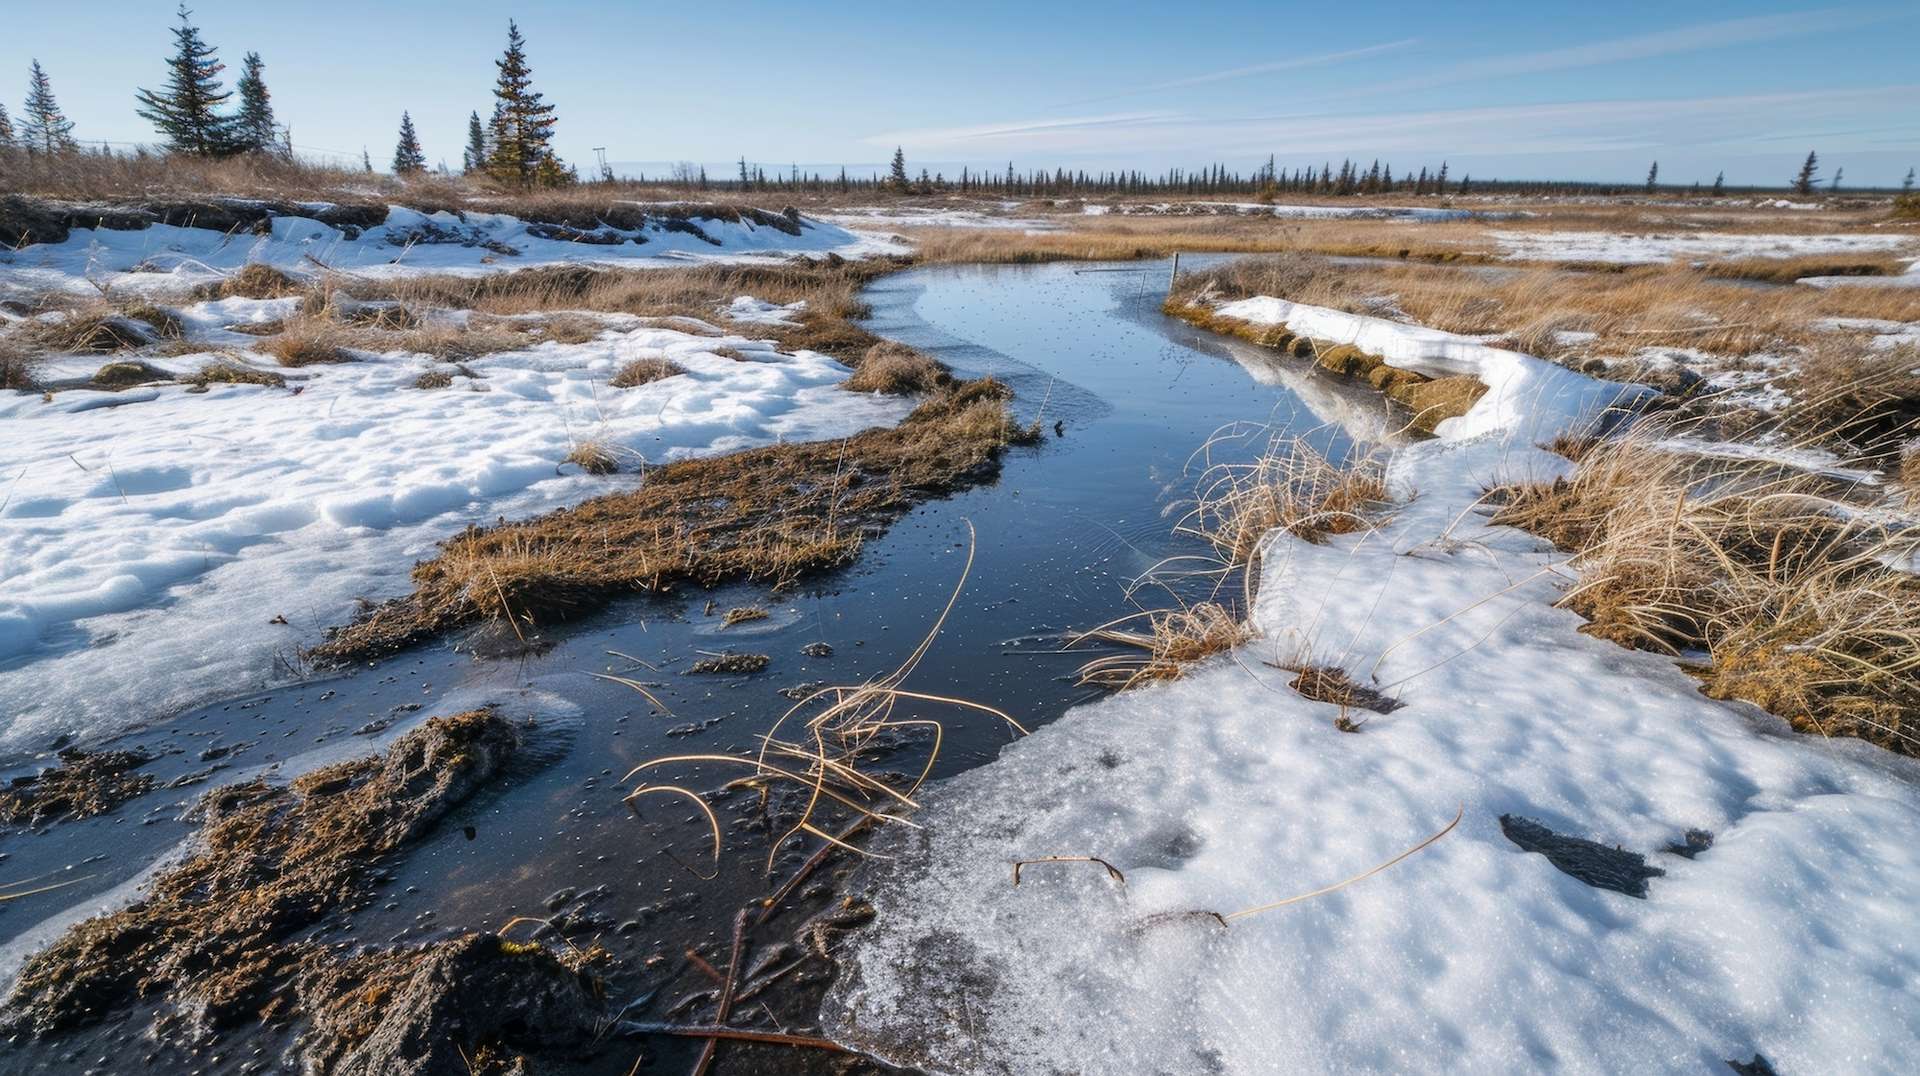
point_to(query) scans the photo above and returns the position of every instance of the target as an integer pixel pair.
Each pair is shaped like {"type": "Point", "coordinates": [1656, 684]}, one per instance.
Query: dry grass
{"type": "Point", "coordinates": [99, 328]}
{"type": "Point", "coordinates": [769, 515]}
{"type": "Point", "coordinates": [1864, 399]}
{"type": "Point", "coordinates": [645, 372]}
{"type": "Point", "coordinates": [897, 370]}
{"type": "Point", "coordinates": [1641, 307]}
{"type": "Point", "coordinates": [17, 368]}
{"type": "Point", "coordinates": [1787, 592]}
{"type": "Point", "coordinates": [1172, 641]}
{"type": "Point", "coordinates": [743, 614]}
{"type": "Point", "coordinates": [594, 457]}
{"type": "Point", "coordinates": [310, 341]}
{"type": "Point", "coordinates": [1289, 486]}
{"type": "Point", "coordinates": [228, 372]}
{"type": "Point", "coordinates": [127, 373]}
{"type": "Point", "coordinates": [255, 281]}
{"type": "Point", "coordinates": [1788, 270]}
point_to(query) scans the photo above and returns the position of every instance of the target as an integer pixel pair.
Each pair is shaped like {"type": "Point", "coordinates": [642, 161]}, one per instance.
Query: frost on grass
{"type": "Point", "coordinates": [1227, 788]}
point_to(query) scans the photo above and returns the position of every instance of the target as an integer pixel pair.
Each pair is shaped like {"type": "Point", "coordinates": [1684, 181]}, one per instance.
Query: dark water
{"type": "Point", "coordinates": [1058, 536]}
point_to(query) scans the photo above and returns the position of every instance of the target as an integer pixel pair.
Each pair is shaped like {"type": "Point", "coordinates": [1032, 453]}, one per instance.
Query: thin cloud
{"type": "Point", "coordinates": [1712, 35]}
{"type": "Point", "coordinates": [1016, 129]}
{"type": "Point", "coordinates": [1252, 70]}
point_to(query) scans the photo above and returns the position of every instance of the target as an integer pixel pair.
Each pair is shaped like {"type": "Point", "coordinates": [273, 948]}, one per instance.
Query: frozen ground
{"type": "Point", "coordinates": [869, 216]}
{"type": "Point", "coordinates": [1792, 936]}
{"type": "Point", "coordinates": [149, 538]}
{"type": "Point", "coordinates": [1633, 249]}
{"type": "Point", "coordinates": [164, 256]}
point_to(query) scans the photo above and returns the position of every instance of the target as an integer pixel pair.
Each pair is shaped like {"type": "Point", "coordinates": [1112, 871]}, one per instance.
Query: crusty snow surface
{"type": "Point", "coordinates": [148, 537]}
{"type": "Point", "coordinates": [1794, 936]}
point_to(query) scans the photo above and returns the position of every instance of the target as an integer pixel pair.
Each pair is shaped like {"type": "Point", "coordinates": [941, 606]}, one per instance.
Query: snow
{"type": "Point", "coordinates": [148, 537]}
{"type": "Point", "coordinates": [1882, 333]}
{"type": "Point", "coordinates": [1908, 279]}
{"type": "Point", "coordinates": [932, 217]}
{"type": "Point", "coordinates": [165, 256]}
{"type": "Point", "coordinates": [1791, 937]}
{"type": "Point", "coordinates": [1636, 249]}
{"type": "Point", "coordinates": [749, 310]}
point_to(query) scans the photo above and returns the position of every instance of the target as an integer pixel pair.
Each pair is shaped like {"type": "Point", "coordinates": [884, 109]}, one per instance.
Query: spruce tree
{"type": "Point", "coordinates": [407, 158]}
{"type": "Point", "coordinates": [1809, 172]}
{"type": "Point", "coordinates": [7, 139]}
{"type": "Point", "coordinates": [366, 160]}
{"type": "Point", "coordinates": [523, 123]}
{"type": "Point", "coordinates": [253, 129]}
{"type": "Point", "coordinates": [1904, 187]}
{"type": "Point", "coordinates": [474, 157]}
{"type": "Point", "coordinates": [1719, 184]}
{"type": "Point", "coordinates": [897, 174]}
{"type": "Point", "coordinates": [1834, 184]}
{"type": "Point", "coordinates": [46, 129]}
{"type": "Point", "coordinates": [1653, 176]}
{"type": "Point", "coordinates": [186, 111]}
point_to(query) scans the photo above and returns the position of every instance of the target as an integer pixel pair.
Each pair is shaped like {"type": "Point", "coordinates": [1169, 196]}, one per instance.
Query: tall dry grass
{"type": "Point", "coordinates": [1784, 594]}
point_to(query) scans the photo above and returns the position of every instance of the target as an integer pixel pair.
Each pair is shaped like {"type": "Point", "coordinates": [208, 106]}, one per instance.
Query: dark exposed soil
{"type": "Point", "coordinates": [218, 937]}
{"type": "Point", "coordinates": [83, 785]}
{"type": "Point", "coordinates": [1598, 865]}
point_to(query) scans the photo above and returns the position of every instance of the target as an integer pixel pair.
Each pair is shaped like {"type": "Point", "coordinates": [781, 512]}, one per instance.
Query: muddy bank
{"type": "Point", "coordinates": [236, 933]}
{"type": "Point", "coordinates": [770, 515]}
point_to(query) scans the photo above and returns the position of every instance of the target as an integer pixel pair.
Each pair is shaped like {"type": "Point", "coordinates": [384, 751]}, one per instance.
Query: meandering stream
{"type": "Point", "coordinates": [1058, 537]}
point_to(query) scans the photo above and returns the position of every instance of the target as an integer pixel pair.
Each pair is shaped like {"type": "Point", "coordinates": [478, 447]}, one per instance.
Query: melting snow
{"type": "Point", "coordinates": [1792, 936]}
{"type": "Point", "coordinates": [148, 537]}
{"type": "Point", "coordinates": [1627, 248]}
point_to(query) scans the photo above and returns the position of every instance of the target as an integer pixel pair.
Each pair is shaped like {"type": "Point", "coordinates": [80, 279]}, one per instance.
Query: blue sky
{"type": "Point", "coordinates": [1592, 91]}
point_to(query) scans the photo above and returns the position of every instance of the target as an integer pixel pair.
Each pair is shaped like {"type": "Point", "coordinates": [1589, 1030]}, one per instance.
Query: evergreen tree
{"type": "Point", "coordinates": [407, 158]}
{"type": "Point", "coordinates": [7, 140]}
{"type": "Point", "coordinates": [1440, 180]}
{"type": "Point", "coordinates": [1719, 184]}
{"type": "Point", "coordinates": [254, 129]}
{"type": "Point", "coordinates": [185, 112]}
{"type": "Point", "coordinates": [45, 129]}
{"type": "Point", "coordinates": [474, 157]}
{"type": "Point", "coordinates": [1653, 176]}
{"type": "Point", "coordinates": [897, 174]}
{"type": "Point", "coordinates": [366, 161]}
{"type": "Point", "coordinates": [1834, 185]}
{"type": "Point", "coordinates": [523, 122]}
{"type": "Point", "coordinates": [1809, 172]}
{"type": "Point", "coordinates": [1904, 187]}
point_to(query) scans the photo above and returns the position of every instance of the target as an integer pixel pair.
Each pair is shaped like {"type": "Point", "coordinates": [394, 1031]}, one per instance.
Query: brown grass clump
{"type": "Point", "coordinates": [1173, 641]}
{"type": "Point", "coordinates": [770, 514]}
{"type": "Point", "coordinates": [434, 379]}
{"type": "Point", "coordinates": [101, 330]}
{"type": "Point", "coordinates": [17, 368]}
{"type": "Point", "coordinates": [729, 664]}
{"type": "Point", "coordinates": [456, 343]}
{"type": "Point", "coordinates": [227, 372]}
{"type": "Point", "coordinates": [126, 374]}
{"type": "Point", "coordinates": [256, 280]}
{"type": "Point", "coordinates": [897, 370]}
{"type": "Point", "coordinates": [594, 457]}
{"type": "Point", "coordinates": [1789, 595]}
{"type": "Point", "coordinates": [309, 342]}
{"type": "Point", "coordinates": [645, 372]}
{"type": "Point", "coordinates": [85, 784]}
{"type": "Point", "coordinates": [1906, 207]}
{"type": "Point", "coordinates": [1788, 270]}
{"type": "Point", "coordinates": [1289, 486]}
{"type": "Point", "coordinates": [742, 614]}
{"type": "Point", "coordinates": [571, 328]}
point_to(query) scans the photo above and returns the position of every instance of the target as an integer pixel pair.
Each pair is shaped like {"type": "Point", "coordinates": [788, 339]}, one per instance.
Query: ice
{"type": "Point", "coordinates": [1792, 937]}
{"type": "Point", "coordinates": [148, 537]}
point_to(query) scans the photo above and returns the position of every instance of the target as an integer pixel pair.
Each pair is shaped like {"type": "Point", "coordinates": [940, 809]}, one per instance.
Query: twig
{"type": "Point", "coordinates": [692, 1031]}
{"type": "Point", "coordinates": [1112, 871]}
{"type": "Point", "coordinates": [725, 1007]}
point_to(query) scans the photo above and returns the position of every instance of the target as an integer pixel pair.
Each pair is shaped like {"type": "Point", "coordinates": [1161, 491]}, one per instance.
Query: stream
{"type": "Point", "coordinates": [1057, 538]}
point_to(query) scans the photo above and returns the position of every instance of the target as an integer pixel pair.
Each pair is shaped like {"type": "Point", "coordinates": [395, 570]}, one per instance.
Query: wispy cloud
{"type": "Point", "coordinates": [1712, 35]}
{"type": "Point", "coordinates": [1251, 71]}
{"type": "Point", "coordinates": [1546, 128]}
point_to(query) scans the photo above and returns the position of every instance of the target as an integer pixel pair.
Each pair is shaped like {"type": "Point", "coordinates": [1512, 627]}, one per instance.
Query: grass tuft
{"type": "Point", "coordinates": [897, 370]}
{"type": "Point", "coordinates": [645, 372]}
